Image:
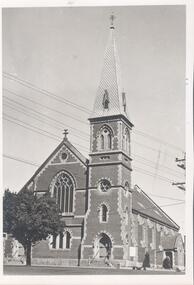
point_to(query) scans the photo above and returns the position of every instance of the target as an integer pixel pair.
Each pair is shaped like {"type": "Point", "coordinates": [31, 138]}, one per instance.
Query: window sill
{"type": "Point", "coordinates": [67, 214]}
{"type": "Point", "coordinates": [60, 249]}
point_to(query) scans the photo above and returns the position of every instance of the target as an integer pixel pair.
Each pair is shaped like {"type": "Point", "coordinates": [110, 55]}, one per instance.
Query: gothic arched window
{"type": "Point", "coordinates": [103, 213]}
{"type": "Point", "coordinates": [67, 240]}
{"type": "Point", "coordinates": [61, 241]}
{"type": "Point", "coordinates": [126, 188]}
{"type": "Point", "coordinates": [126, 215]}
{"type": "Point", "coordinates": [126, 141]}
{"type": "Point", "coordinates": [105, 102]}
{"type": "Point", "coordinates": [62, 191]}
{"type": "Point", "coordinates": [102, 141]}
{"type": "Point", "coordinates": [105, 138]}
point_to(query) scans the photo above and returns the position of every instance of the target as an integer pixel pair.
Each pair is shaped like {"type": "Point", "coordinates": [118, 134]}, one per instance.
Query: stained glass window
{"type": "Point", "coordinates": [63, 192]}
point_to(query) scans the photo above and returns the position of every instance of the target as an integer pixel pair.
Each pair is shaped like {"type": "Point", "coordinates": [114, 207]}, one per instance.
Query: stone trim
{"type": "Point", "coordinates": [74, 184]}
{"type": "Point", "coordinates": [99, 210]}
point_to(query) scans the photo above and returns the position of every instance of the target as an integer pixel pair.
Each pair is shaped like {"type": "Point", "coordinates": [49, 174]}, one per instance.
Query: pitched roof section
{"type": "Point", "coordinates": [66, 143]}
{"type": "Point", "coordinates": [110, 84]}
{"type": "Point", "coordinates": [143, 204]}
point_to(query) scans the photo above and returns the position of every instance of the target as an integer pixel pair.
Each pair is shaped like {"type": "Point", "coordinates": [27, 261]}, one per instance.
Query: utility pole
{"type": "Point", "coordinates": [181, 162]}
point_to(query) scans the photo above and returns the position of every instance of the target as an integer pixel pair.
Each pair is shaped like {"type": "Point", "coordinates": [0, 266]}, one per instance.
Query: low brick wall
{"type": "Point", "coordinates": [55, 262]}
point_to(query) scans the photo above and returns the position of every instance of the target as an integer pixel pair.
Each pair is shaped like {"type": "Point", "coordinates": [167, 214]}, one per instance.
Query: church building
{"type": "Point", "coordinates": [104, 214]}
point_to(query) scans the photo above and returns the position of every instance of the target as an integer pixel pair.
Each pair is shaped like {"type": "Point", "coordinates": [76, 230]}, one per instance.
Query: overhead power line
{"type": "Point", "coordinates": [42, 121]}
{"type": "Point", "coordinates": [38, 165]}
{"type": "Point", "coordinates": [136, 160]}
{"type": "Point", "coordinates": [148, 164]}
{"type": "Point", "coordinates": [181, 164]}
{"type": "Point", "coordinates": [46, 116]}
{"type": "Point", "coordinates": [38, 130]}
{"type": "Point", "coordinates": [46, 107]}
{"type": "Point", "coordinates": [20, 160]}
{"type": "Point", "coordinates": [55, 137]}
{"type": "Point", "coordinates": [149, 173]}
{"type": "Point", "coordinates": [45, 92]}
{"type": "Point", "coordinates": [157, 139]}
{"type": "Point", "coordinates": [61, 99]}
{"type": "Point", "coordinates": [151, 162]}
{"type": "Point", "coordinates": [85, 134]}
{"type": "Point", "coordinates": [52, 136]}
{"type": "Point", "coordinates": [153, 166]}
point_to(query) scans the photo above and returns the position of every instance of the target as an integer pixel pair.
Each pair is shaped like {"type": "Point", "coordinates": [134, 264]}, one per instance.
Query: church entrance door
{"type": "Point", "coordinates": [170, 255]}
{"type": "Point", "coordinates": [104, 245]}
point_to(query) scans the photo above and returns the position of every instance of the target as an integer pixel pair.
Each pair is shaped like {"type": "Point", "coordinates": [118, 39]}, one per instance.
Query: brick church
{"type": "Point", "coordinates": [104, 214]}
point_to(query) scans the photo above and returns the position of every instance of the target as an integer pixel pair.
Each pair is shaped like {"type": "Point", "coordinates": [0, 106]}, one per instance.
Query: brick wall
{"type": "Point", "coordinates": [76, 170]}
{"type": "Point", "coordinates": [98, 172]}
{"type": "Point", "coordinates": [93, 224]}
{"type": "Point", "coordinates": [42, 249]}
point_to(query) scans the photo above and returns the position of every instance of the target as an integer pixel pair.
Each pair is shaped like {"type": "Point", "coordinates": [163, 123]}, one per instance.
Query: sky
{"type": "Point", "coordinates": [61, 50]}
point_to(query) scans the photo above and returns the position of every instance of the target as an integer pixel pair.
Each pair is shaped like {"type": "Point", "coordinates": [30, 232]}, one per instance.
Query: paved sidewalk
{"type": "Point", "coordinates": [53, 270]}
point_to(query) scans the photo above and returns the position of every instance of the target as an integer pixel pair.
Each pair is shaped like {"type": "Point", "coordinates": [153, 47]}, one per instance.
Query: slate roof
{"type": "Point", "coordinates": [143, 204]}
{"type": "Point", "coordinates": [111, 82]}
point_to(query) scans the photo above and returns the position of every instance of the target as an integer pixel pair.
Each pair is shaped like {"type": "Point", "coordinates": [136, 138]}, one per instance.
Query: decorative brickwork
{"type": "Point", "coordinates": [129, 217]}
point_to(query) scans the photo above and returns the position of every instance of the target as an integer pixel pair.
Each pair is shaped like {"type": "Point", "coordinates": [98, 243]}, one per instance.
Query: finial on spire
{"type": "Point", "coordinates": [112, 18]}
{"type": "Point", "coordinates": [65, 134]}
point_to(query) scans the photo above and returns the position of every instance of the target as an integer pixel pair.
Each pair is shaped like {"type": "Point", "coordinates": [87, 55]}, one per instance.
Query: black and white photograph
{"type": "Point", "coordinates": [95, 151]}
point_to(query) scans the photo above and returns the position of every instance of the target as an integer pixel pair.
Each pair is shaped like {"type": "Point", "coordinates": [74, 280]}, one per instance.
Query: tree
{"type": "Point", "coordinates": [30, 218]}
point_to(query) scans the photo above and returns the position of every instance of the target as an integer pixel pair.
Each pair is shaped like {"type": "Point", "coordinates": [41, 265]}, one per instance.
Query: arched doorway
{"type": "Point", "coordinates": [170, 255]}
{"type": "Point", "coordinates": [102, 246]}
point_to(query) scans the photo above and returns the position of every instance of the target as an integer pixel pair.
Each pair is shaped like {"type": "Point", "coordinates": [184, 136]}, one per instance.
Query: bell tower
{"type": "Point", "coordinates": [110, 202]}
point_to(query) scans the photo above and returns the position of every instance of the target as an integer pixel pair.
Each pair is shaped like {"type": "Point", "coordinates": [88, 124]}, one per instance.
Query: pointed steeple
{"type": "Point", "coordinates": [110, 99]}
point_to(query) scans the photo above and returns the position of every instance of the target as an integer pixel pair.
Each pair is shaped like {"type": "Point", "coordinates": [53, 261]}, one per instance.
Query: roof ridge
{"type": "Point", "coordinates": [167, 216]}
{"type": "Point", "coordinates": [63, 142]}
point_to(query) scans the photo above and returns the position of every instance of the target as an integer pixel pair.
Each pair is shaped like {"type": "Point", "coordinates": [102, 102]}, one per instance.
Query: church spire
{"type": "Point", "coordinates": [110, 99]}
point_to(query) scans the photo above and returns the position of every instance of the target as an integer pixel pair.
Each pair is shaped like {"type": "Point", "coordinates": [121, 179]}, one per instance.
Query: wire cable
{"type": "Point", "coordinates": [46, 107]}
{"type": "Point", "coordinates": [37, 165]}
{"type": "Point", "coordinates": [61, 99]}
{"type": "Point", "coordinates": [45, 92]}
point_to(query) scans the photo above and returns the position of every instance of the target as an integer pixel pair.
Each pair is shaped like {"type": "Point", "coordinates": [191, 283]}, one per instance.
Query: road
{"type": "Point", "coordinates": [51, 270]}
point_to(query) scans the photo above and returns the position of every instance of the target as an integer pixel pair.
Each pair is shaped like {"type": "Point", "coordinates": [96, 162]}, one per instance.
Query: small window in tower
{"type": "Point", "coordinates": [126, 215]}
{"type": "Point", "coordinates": [104, 185]}
{"type": "Point", "coordinates": [124, 101]}
{"type": "Point", "coordinates": [103, 213]}
{"type": "Point", "coordinates": [126, 188]}
{"type": "Point", "coordinates": [127, 238]}
{"type": "Point", "coordinates": [105, 102]}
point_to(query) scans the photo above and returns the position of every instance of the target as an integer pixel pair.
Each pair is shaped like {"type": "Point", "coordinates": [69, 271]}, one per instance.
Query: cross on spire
{"type": "Point", "coordinates": [112, 18]}
{"type": "Point", "coordinates": [65, 134]}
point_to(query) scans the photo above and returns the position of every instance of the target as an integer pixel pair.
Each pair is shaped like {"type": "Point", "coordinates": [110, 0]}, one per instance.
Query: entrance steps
{"type": "Point", "coordinates": [99, 262]}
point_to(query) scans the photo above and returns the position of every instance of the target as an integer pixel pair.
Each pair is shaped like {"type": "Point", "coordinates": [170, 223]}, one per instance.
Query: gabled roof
{"type": "Point", "coordinates": [143, 204]}
{"type": "Point", "coordinates": [66, 143]}
{"type": "Point", "coordinates": [110, 84]}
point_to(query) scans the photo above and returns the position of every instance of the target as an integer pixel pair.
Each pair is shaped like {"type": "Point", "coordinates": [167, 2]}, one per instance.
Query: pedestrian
{"type": "Point", "coordinates": [146, 261]}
